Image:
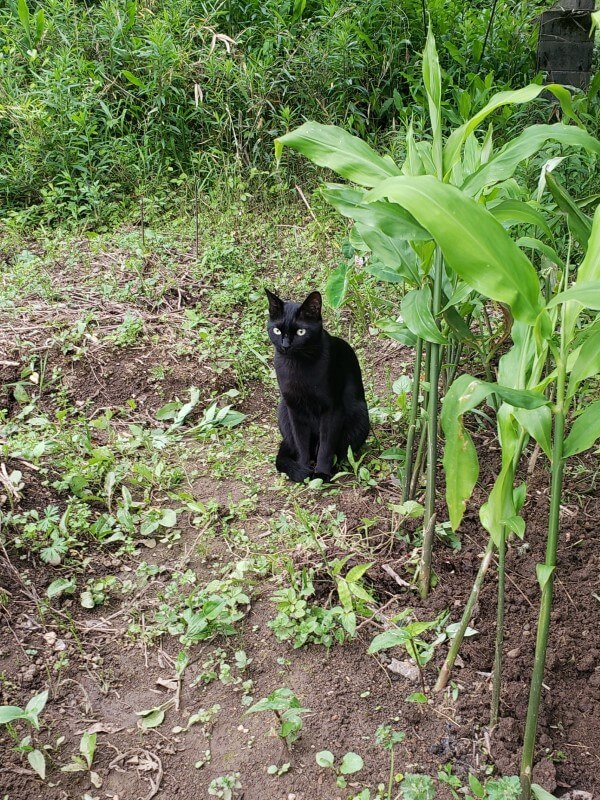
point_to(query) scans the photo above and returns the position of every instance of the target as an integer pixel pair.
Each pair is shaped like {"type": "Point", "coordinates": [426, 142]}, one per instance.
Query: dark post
{"type": "Point", "coordinates": [565, 48]}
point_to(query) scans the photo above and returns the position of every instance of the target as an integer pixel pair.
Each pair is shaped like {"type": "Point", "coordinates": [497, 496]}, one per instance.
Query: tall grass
{"type": "Point", "coordinates": [101, 102]}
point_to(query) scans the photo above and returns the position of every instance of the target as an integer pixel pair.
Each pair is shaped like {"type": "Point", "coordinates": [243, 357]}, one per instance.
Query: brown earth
{"type": "Point", "coordinates": [110, 676]}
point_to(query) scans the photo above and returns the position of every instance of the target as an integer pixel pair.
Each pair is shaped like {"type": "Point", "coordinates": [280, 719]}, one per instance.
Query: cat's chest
{"type": "Point", "coordinates": [303, 385]}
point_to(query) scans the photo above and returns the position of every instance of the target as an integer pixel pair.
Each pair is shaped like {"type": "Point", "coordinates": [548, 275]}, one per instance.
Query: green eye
{"type": "Point", "coordinates": [276, 331]}
{"type": "Point", "coordinates": [300, 332]}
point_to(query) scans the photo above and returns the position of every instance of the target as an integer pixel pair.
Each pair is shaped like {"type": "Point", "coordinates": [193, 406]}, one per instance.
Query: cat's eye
{"type": "Point", "coordinates": [300, 332]}
{"type": "Point", "coordinates": [276, 331]}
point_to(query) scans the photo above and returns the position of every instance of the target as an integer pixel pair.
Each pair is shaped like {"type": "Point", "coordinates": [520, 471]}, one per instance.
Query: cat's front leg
{"type": "Point", "coordinates": [329, 434]}
{"type": "Point", "coordinates": [294, 454]}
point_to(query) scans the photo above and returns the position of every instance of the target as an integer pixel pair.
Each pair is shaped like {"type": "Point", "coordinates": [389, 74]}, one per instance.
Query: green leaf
{"type": "Point", "coordinates": [36, 705]}
{"type": "Point", "coordinates": [579, 225]}
{"type": "Point", "coordinates": [23, 12]}
{"type": "Point", "coordinates": [587, 364]}
{"type": "Point", "coordinates": [516, 525]}
{"type": "Point", "coordinates": [432, 80]}
{"type": "Point", "coordinates": [589, 269]}
{"type": "Point", "coordinates": [337, 285]}
{"type": "Point", "coordinates": [543, 573]}
{"type": "Point", "coordinates": [416, 697]}
{"type": "Point", "coordinates": [474, 244]}
{"type": "Point", "coordinates": [513, 212]}
{"type": "Point", "coordinates": [87, 748]}
{"type": "Point", "coordinates": [476, 787]}
{"type": "Point", "coordinates": [393, 454]}
{"type": "Point", "coordinates": [10, 713]}
{"type": "Point", "coordinates": [397, 331]}
{"type": "Point", "coordinates": [37, 762]}
{"type": "Point", "coordinates": [344, 594]}
{"type": "Point", "coordinates": [541, 794]}
{"type": "Point", "coordinates": [60, 586]}
{"type": "Point", "coordinates": [416, 310]}
{"type": "Point", "coordinates": [132, 78]}
{"type": "Point", "coordinates": [526, 242]}
{"type": "Point", "coordinates": [387, 639]}
{"type": "Point", "coordinates": [334, 148]}
{"type": "Point", "coordinates": [524, 95]}
{"type": "Point", "coordinates": [325, 758]}
{"type": "Point", "coordinates": [538, 424]}
{"type": "Point", "coordinates": [584, 431]}
{"type": "Point", "coordinates": [356, 573]}
{"type": "Point", "coordinates": [503, 165]}
{"type": "Point", "coordinates": [351, 763]}
{"type": "Point", "coordinates": [586, 294]}
{"type": "Point", "coordinates": [151, 718]}
{"type": "Point", "coordinates": [378, 270]}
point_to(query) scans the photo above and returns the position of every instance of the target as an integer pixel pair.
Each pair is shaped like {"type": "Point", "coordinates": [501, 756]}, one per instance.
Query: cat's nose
{"type": "Point", "coordinates": [285, 343]}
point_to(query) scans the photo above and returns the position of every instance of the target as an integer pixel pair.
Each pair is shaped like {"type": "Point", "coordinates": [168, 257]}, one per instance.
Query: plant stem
{"type": "Point", "coordinates": [391, 779]}
{"type": "Point", "coordinates": [418, 462]}
{"type": "Point", "coordinates": [414, 410]}
{"type": "Point", "coordinates": [543, 629]}
{"type": "Point", "coordinates": [432, 426]}
{"type": "Point", "coordinates": [446, 669]}
{"type": "Point", "coordinates": [497, 682]}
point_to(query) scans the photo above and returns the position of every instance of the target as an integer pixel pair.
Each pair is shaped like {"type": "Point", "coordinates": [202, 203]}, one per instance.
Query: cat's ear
{"type": "Point", "coordinates": [275, 305]}
{"type": "Point", "coordinates": [311, 307]}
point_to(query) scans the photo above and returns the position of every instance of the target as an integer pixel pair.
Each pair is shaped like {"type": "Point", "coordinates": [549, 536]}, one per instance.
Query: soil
{"type": "Point", "coordinates": [109, 677]}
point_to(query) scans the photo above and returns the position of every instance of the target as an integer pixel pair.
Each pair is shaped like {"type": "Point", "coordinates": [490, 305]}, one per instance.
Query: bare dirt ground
{"type": "Point", "coordinates": [99, 674]}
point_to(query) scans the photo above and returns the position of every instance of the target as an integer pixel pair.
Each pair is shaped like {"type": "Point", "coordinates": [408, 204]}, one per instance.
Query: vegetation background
{"type": "Point", "coordinates": [102, 103]}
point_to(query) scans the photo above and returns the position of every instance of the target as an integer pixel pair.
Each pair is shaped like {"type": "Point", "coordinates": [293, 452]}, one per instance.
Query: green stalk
{"type": "Point", "coordinates": [543, 629]}
{"type": "Point", "coordinates": [446, 669]}
{"type": "Point", "coordinates": [497, 681]}
{"type": "Point", "coordinates": [418, 462]}
{"type": "Point", "coordinates": [432, 431]}
{"type": "Point", "coordinates": [412, 426]}
{"type": "Point", "coordinates": [391, 778]}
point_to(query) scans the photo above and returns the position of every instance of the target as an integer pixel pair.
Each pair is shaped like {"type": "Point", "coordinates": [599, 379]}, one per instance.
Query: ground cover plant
{"type": "Point", "coordinates": [179, 619]}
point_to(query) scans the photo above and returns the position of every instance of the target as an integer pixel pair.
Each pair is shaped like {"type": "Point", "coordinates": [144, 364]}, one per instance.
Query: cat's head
{"type": "Point", "coordinates": [295, 328]}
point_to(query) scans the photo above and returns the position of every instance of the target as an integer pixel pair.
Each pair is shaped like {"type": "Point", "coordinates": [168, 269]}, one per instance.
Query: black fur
{"type": "Point", "coordinates": [322, 410]}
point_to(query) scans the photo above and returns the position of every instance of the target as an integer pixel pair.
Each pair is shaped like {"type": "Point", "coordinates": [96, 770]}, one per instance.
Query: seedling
{"type": "Point", "coordinates": [30, 714]}
{"type": "Point", "coordinates": [286, 707]}
{"type": "Point", "coordinates": [388, 739]}
{"type": "Point", "coordinates": [83, 761]}
{"type": "Point", "coordinates": [407, 636]}
{"type": "Point", "coordinates": [349, 764]}
{"type": "Point", "coordinates": [225, 786]}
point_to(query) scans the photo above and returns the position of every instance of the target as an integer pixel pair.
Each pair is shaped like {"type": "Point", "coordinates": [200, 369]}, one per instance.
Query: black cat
{"type": "Point", "coordinates": [322, 410]}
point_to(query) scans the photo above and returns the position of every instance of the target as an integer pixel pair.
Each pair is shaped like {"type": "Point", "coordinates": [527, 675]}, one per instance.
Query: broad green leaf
{"type": "Point", "coordinates": [461, 465]}
{"type": "Point", "coordinates": [344, 594]}
{"type": "Point", "coordinates": [587, 363]}
{"type": "Point", "coordinates": [579, 224]}
{"type": "Point", "coordinates": [535, 244]}
{"type": "Point", "coordinates": [60, 586]}
{"type": "Point", "coordinates": [474, 244]}
{"type": "Point", "coordinates": [337, 285]}
{"type": "Point", "coordinates": [397, 330]}
{"type": "Point", "coordinates": [589, 269]}
{"type": "Point", "coordinates": [132, 78]}
{"type": "Point", "coordinates": [584, 432]}
{"type": "Point", "coordinates": [416, 310]}
{"type": "Point", "coordinates": [37, 762]}
{"type": "Point", "coordinates": [87, 748]}
{"type": "Point", "coordinates": [516, 525]}
{"type": "Point", "coordinates": [503, 165]}
{"type": "Point", "coordinates": [524, 95]}
{"type": "Point", "coordinates": [543, 573]}
{"type": "Point", "coordinates": [387, 639]}
{"type": "Point", "coordinates": [356, 573]}
{"type": "Point", "coordinates": [536, 790]}
{"type": "Point", "coordinates": [512, 212]}
{"type": "Point", "coordinates": [351, 763]}
{"type": "Point", "coordinates": [334, 148]}
{"type": "Point", "coordinates": [418, 697]}
{"type": "Point", "coordinates": [37, 704]}
{"type": "Point", "coordinates": [476, 787]}
{"type": "Point", "coordinates": [586, 294]}
{"type": "Point", "coordinates": [393, 454]}
{"type": "Point", "coordinates": [378, 270]}
{"type": "Point", "coordinates": [538, 424]}
{"type": "Point", "coordinates": [151, 718]}
{"type": "Point", "coordinates": [10, 713]}
{"type": "Point", "coordinates": [325, 758]}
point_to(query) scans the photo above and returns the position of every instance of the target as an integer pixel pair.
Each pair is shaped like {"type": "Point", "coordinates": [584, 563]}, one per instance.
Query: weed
{"type": "Point", "coordinates": [350, 763]}
{"type": "Point", "coordinates": [288, 710]}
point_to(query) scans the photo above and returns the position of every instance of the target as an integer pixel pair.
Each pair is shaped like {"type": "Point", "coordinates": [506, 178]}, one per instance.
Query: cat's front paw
{"type": "Point", "coordinates": [298, 474]}
{"type": "Point", "coordinates": [324, 476]}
